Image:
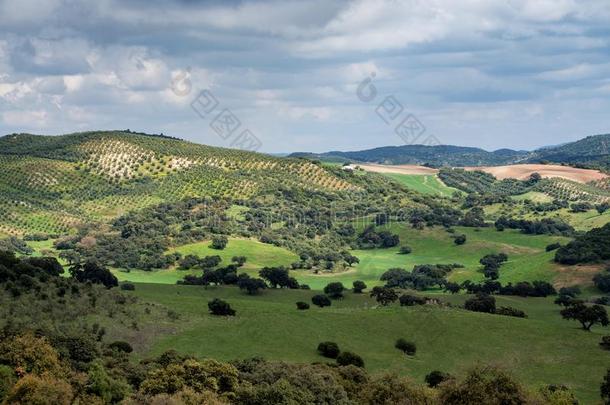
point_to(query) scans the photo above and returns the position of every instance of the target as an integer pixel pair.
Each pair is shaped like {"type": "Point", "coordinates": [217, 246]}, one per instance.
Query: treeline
{"type": "Point", "coordinates": [548, 226]}
{"type": "Point", "coordinates": [590, 247]}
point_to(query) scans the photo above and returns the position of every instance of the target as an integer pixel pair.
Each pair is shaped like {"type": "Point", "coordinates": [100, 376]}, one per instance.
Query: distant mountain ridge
{"type": "Point", "coordinates": [592, 151]}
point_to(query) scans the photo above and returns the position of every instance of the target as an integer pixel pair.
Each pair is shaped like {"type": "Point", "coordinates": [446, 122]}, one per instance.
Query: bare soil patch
{"type": "Point", "coordinates": [524, 171]}
{"type": "Point", "coordinates": [575, 275]}
{"type": "Point", "coordinates": [401, 169]}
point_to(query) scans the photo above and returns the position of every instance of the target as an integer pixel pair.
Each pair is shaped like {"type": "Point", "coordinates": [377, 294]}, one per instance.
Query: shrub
{"type": "Point", "coordinates": [384, 295]}
{"type": "Point", "coordinates": [33, 389]}
{"type": "Point", "coordinates": [251, 285]}
{"type": "Point", "coordinates": [121, 346]}
{"type": "Point", "coordinates": [359, 286]}
{"type": "Point", "coordinates": [484, 386]}
{"type": "Point", "coordinates": [411, 300]}
{"type": "Point", "coordinates": [405, 346]}
{"type": "Point", "coordinates": [321, 300]}
{"type": "Point", "coordinates": [602, 281]}
{"type": "Point", "coordinates": [128, 287]}
{"type": "Point", "coordinates": [94, 272]}
{"type": "Point", "coordinates": [302, 305]}
{"type": "Point", "coordinates": [219, 242]}
{"type": "Point", "coordinates": [481, 303]}
{"type": "Point", "coordinates": [334, 290]}
{"type": "Point", "coordinates": [405, 250]}
{"type": "Point", "coordinates": [510, 311]}
{"type": "Point", "coordinates": [434, 378]}
{"type": "Point", "coordinates": [220, 308]}
{"type": "Point", "coordinates": [553, 246]}
{"type": "Point", "coordinates": [349, 358]}
{"type": "Point", "coordinates": [239, 260]}
{"type": "Point", "coordinates": [605, 342]}
{"type": "Point", "coordinates": [459, 240]}
{"type": "Point", "coordinates": [329, 349]}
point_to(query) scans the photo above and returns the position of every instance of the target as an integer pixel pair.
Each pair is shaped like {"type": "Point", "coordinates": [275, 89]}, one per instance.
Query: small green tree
{"type": "Point", "coordinates": [384, 295]}
{"type": "Point", "coordinates": [405, 250]}
{"type": "Point", "coordinates": [329, 349]}
{"type": "Point", "coordinates": [334, 290]}
{"type": "Point", "coordinates": [359, 286]}
{"type": "Point", "coordinates": [239, 260]}
{"type": "Point", "coordinates": [405, 346]}
{"type": "Point", "coordinates": [220, 308]}
{"type": "Point", "coordinates": [321, 300]}
{"type": "Point", "coordinates": [459, 240]}
{"type": "Point", "coordinates": [349, 358]}
{"type": "Point", "coordinates": [436, 377]}
{"type": "Point", "coordinates": [586, 315]}
{"type": "Point", "coordinates": [219, 242]}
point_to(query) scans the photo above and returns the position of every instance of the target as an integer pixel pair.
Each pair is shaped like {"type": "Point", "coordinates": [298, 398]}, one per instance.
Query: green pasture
{"type": "Point", "coordinates": [426, 184]}
{"type": "Point", "coordinates": [542, 349]}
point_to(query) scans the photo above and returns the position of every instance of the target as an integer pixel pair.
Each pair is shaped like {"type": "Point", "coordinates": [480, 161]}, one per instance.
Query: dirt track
{"type": "Point", "coordinates": [523, 172]}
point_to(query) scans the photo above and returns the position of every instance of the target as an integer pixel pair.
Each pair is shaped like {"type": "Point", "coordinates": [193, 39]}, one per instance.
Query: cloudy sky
{"type": "Point", "coordinates": [486, 73]}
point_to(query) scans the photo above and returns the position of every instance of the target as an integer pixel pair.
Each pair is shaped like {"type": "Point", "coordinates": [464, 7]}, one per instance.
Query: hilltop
{"type": "Point", "coordinates": [52, 183]}
{"type": "Point", "coordinates": [592, 151]}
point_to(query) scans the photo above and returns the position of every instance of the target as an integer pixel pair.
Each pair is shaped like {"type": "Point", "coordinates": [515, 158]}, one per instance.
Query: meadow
{"type": "Point", "coordinates": [259, 255]}
{"type": "Point", "coordinates": [541, 349]}
{"type": "Point", "coordinates": [425, 184]}
{"type": "Point", "coordinates": [528, 260]}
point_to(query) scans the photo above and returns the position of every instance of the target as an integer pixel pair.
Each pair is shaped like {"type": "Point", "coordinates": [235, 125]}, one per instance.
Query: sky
{"type": "Point", "coordinates": [313, 75]}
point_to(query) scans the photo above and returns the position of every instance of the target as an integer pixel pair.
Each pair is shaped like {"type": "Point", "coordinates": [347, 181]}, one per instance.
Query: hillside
{"type": "Point", "coordinates": [440, 155]}
{"type": "Point", "coordinates": [51, 183]}
{"type": "Point", "coordinates": [591, 151]}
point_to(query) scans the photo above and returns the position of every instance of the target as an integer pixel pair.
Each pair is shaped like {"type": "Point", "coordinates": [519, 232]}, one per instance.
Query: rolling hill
{"type": "Point", "coordinates": [592, 151]}
{"type": "Point", "coordinates": [50, 184]}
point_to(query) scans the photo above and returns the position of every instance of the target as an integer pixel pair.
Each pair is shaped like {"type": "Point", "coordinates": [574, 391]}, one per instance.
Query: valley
{"type": "Point", "coordinates": [178, 226]}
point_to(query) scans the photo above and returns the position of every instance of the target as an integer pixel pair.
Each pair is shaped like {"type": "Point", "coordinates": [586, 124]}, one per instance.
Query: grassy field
{"type": "Point", "coordinates": [581, 221]}
{"type": "Point", "coordinates": [426, 184]}
{"type": "Point", "coordinates": [528, 259]}
{"type": "Point", "coordinates": [259, 255]}
{"type": "Point", "coordinates": [542, 349]}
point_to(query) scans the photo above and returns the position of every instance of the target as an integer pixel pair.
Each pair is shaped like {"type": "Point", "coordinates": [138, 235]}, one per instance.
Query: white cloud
{"type": "Point", "coordinates": [26, 119]}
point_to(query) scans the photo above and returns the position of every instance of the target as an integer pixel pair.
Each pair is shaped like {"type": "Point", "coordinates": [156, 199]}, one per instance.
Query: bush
{"type": "Point", "coordinates": [411, 300]}
{"type": "Point", "coordinates": [384, 295]}
{"type": "Point", "coordinates": [219, 242]}
{"type": "Point", "coordinates": [405, 346]}
{"type": "Point", "coordinates": [329, 349]}
{"type": "Point", "coordinates": [459, 240]}
{"type": "Point", "coordinates": [94, 272]}
{"type": "Point", "coordinates": [359, 286]}
{"type": "Point", "coordinates": [434, 378]}
{"type": "Point", "coordinates": [220, 308]}
{"type": "Point", "coordinates": [510, 311]}
{"type": "Point", "coordinates": [302, 305]}
{"type": "Point", "coordinates": [121, 346]}
{"type": "Point", "coordinates": [334, 290]}
{"type": "Point", "coordinates": [405, 250]}
{"type": "Point", "coordinates": [321, 300]}
{"type": "Point", "coordinates": [484, 386]}
{"type": "Point", "coordinates": [128, 287]}
{"type": "Point", "coordinates": [349, 358]}
{"type": "Point", "coordinates": [481, 303]}
{"type": "Point", "coordinates": [602, 281]}
{"type": "Point", "coordinates": [605, 342]}
{"type": "Point", "coordinates": [553, 246]}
